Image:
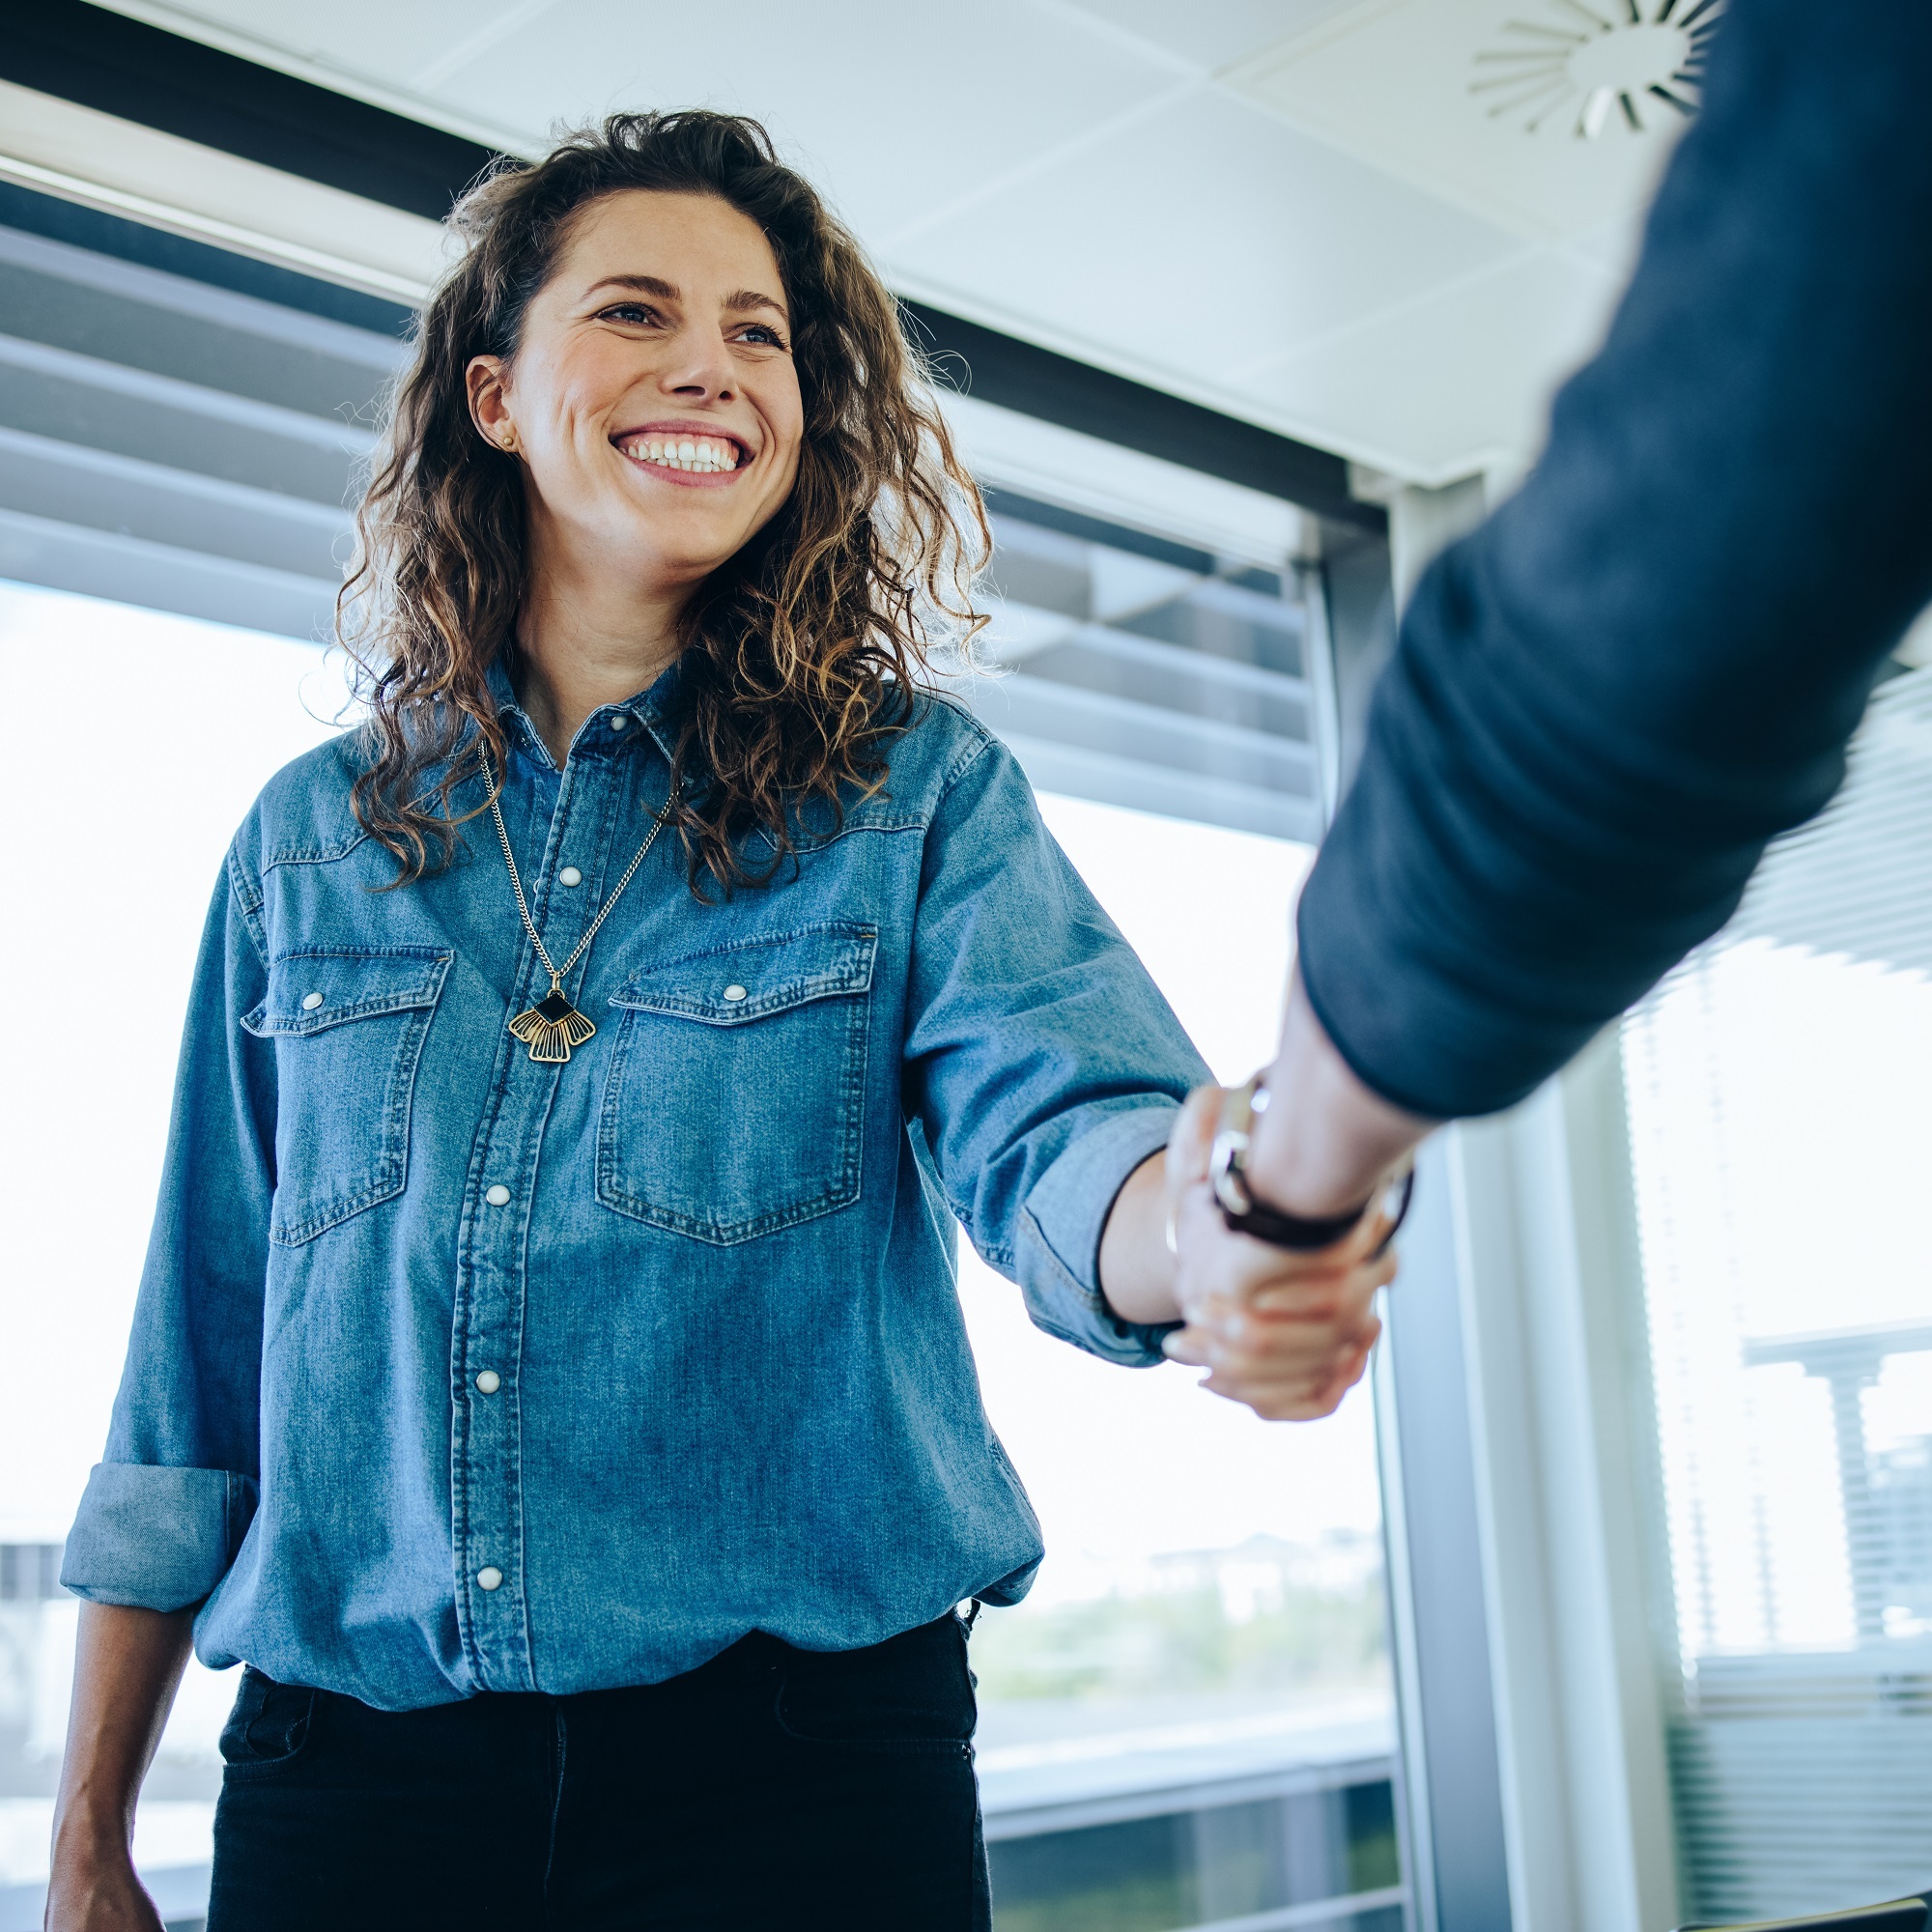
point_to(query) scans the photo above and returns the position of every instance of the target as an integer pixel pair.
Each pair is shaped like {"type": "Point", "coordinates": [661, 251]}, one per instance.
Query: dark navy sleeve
{"type": "Point", "coordinates": [1647, 664]}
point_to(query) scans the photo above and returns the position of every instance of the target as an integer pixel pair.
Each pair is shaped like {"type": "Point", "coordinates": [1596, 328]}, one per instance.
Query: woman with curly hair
{"type": "Point", "coordinates": [547, 1375]}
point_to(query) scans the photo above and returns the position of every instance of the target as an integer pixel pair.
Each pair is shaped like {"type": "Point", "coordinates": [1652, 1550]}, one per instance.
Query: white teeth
{"type": "Point", "coordinates": [703, 455]}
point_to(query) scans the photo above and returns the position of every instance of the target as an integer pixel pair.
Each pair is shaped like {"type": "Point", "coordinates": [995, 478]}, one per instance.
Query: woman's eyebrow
{"type": "Point", "coordinates": [650, 285]}
{"type": "Point", "coordinates": [746, 299]}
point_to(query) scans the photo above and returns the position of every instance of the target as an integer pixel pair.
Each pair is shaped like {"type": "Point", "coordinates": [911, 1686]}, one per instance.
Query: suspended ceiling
{"type": "Point", "coordinates": [1302, 213]}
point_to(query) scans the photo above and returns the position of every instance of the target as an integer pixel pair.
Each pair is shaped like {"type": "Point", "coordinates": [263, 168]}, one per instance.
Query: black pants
{"type": "Point", "coordinates": [771, 1788]}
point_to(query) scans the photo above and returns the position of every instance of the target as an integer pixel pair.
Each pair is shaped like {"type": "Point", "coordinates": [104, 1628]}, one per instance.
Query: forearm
{"type": "Point", "coordinates": [1137, 1271]}
{"type": "Point", "coordinates": [127, 1665]}
{"type": "Point", "coordinates": [1325, 1139]}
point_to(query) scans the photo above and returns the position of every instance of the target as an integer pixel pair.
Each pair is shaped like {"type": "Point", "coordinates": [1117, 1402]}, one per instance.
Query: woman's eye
{"type": "Point", "coordinates": [635, 312]}
{"type": "Point", "coordinates": [758, 333]}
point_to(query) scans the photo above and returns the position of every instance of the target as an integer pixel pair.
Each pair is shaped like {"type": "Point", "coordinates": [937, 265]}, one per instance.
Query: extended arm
{"type": "Point", "coordinates": [127, 1667]}
{"type": "Point", "coordinates": [1646, 665]}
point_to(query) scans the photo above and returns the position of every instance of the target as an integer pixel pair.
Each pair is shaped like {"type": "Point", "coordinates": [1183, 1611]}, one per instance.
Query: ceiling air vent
{"type": "Point", "coordinates": [1438, 94]}
{"type": "Point", "coordinates": [1576, 71]}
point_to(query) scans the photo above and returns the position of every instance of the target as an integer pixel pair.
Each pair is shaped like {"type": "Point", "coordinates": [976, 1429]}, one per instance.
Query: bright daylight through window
{"type": "Point", "coordinates": [1187, 1721]}
{"type": "Point", "coordinates": [1777, 1085]}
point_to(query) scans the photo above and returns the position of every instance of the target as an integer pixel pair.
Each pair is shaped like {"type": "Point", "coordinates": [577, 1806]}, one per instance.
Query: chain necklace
{"type": "Point", "coordinates": [552, 1026]}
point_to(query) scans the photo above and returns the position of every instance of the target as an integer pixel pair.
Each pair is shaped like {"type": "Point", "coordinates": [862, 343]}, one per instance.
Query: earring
{"type": "Point", "coordinates": [509, 439]}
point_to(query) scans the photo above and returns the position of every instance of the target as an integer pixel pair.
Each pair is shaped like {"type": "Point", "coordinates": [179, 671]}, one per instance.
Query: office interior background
{"type": "Point", "coordinates": [1606, 1603]}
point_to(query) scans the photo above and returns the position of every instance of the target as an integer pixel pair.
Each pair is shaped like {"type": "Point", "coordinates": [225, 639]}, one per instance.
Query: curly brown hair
{"type": "Point", "coordinates": [801, 655]}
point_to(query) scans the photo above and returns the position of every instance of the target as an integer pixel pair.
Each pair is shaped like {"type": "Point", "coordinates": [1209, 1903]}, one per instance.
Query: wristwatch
{"type": "Point", "coordinates": [1228, 1176]}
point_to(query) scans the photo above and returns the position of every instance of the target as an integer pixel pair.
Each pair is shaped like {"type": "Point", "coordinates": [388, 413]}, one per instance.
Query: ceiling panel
{"type": "Point", "coordinates": [896, 112]}
{"type": "Point", "coordinates": [1445, 386]}
{"type": "Point", "coordinates": [1266, 239]}
{"type": "Point", "coordinates": [364, 39]}
{"type": "Point", "coordinates": [1208, 33]}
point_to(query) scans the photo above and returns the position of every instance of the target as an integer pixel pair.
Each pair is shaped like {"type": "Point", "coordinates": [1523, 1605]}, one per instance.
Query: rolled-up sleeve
{"type": "Point", "coordinates": [166, 1508]}
{"type": "Point", "coordinates": [1040, 1059]}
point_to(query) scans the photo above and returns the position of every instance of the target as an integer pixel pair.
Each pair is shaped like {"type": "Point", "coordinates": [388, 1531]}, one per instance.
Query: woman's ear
{"type": "Point", "coordinates": [489, 401]}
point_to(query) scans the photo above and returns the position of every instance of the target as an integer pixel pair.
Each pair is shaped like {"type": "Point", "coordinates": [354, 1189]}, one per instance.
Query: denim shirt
{"type": "Point", "coordinates": [453, 1371]}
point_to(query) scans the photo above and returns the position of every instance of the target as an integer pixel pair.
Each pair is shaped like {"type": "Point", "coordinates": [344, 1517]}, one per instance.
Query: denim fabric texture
{"type": "Point", "coordinates": [454, 1372]}
{"type": "Point", "coordinates": [770, 1788]}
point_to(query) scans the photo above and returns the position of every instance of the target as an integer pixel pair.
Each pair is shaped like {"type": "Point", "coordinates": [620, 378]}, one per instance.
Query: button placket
{"type": "Point", "coordinates": [493, 1271]}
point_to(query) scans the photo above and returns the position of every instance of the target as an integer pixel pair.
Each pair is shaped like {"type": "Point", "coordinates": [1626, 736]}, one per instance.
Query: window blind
{"type": "Point", "coordinates": [1779, 1089]}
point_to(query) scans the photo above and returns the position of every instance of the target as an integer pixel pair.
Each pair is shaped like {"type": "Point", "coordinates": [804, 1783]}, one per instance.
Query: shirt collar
{"type": "Point", "coordinates": [608, 728]}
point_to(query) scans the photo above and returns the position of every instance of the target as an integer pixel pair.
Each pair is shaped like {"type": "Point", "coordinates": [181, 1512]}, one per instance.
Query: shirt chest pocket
{"type": "Point", "coordinates": [348, 1028]}
{"type": "Point", "coordinates": [735, 1100]}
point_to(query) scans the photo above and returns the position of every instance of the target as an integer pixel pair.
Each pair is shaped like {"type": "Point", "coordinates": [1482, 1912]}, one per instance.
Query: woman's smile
{"type": "Point", "coordinates": [690, 454]}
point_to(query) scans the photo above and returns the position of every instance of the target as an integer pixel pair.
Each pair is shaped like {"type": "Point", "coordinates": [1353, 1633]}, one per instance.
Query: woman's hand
{"type": "Point", "coordinates": [1288, 1334]}
{"type": "Point", "coordinates": [94, 1889]}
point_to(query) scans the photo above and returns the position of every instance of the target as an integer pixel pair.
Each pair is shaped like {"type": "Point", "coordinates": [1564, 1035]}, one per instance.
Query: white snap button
{"type": "Point", "coordinates": [498, 1196]}
{"type": "Point", "coordinates": [311, 1001]}
{"type": "Point", "coordinates": [734, 994]}
{"type": "Point", "coordinates": [489, 1577]}
{"type": "Point", "coordinates": [619, 721]}
{"type": "Point", "coordinates": [570, 876]}
{"type": "Point", "coordinates": [489, 1381]}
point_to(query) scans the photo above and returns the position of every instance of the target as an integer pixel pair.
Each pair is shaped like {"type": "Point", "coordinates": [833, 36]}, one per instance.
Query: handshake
{"type": "Point", "coordinates": [1286, 1331]}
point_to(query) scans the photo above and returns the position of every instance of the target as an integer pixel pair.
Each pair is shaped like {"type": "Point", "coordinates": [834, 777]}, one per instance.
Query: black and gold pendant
{"type": "Point", "coordinates": [551, 1027]}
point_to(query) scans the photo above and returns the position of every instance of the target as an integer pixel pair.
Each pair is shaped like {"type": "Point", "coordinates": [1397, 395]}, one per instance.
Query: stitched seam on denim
{"type": "Point", "coordinates": [1087, 1298]}
{"type": "Point", "coordinates": [819, 842]}
{"type": "Point", "coordinates": [976, 725]}
{"type": "Point", "coordinates": [857, 933]}
{"type": "Point", "coordinates": [837, 983]}
{"type": "Point", "coordinates": [426, 992]}
{"type": "Point", "coordinates": [247, 892]}
{"type": "Point", "coordinates": [962, 764]}
{"type": "Point", "coordinates": [312, 855]}
{"type": "Point", "coordinates": [1101, 1339]}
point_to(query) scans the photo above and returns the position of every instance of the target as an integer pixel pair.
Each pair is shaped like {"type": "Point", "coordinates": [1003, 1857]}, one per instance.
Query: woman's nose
{"type": "Point", "coordinates": [702, 370]}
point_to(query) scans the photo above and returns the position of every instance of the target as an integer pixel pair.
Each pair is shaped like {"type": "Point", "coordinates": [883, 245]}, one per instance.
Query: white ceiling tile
{"type": "Point", "coordinates": [375, 39]}
{"type": "Point", "coordinates": [894, 110]}
{"type": "Point", "coordinates": [1456, 384]}
{"type": "Point", "coordinates": [1211, 33]}
{"type": "Point", "coordinates": [1196, 244]}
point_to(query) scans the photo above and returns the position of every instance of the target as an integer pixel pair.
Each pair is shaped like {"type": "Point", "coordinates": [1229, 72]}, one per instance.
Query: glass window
{"type": "Point", "coordinates": [139, 741]}
{"type": "Point", "coordinates": [1777, 1087]}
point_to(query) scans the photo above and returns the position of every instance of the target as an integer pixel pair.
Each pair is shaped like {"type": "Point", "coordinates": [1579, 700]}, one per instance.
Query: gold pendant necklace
{"type": "Point", "coordinates": [552, 1026]}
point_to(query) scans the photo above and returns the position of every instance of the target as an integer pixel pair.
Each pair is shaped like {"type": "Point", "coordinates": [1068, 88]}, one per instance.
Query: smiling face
{"type": "Point", "coordinates": [653, 399]}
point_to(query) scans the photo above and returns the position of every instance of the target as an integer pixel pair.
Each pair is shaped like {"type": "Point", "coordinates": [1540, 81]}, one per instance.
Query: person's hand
{"type": "Point", "coordinates": [94, 1889]}
{"type": "Point", "coordinates": [1288, 1334]}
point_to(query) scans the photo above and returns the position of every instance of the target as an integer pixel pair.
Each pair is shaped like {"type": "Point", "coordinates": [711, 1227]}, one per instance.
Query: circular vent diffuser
{"type": "Point", "coordinates": [1581, 70]}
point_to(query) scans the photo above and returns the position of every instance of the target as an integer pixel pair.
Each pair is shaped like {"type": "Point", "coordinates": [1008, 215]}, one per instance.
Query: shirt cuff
{"type": "Point", "coordinates": [1057, 1255]}
{"type": "Point", "coordinates": [156, 1539]}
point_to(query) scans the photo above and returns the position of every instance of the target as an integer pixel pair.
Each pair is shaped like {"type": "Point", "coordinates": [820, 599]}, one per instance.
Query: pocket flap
{"type": "Point", "coordinates": [730, 984]}
{"type": "Point", "coordinates": [327, 985]}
